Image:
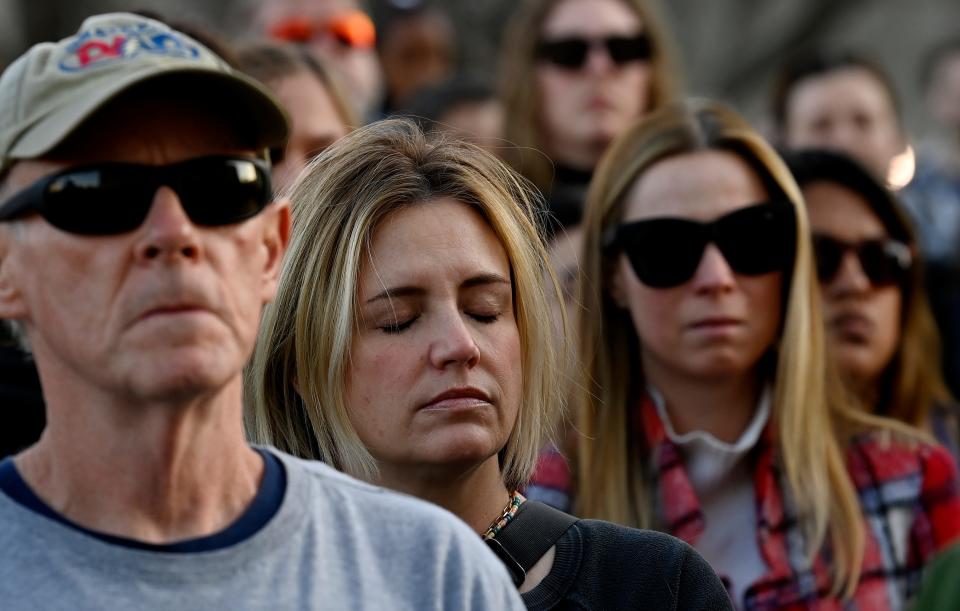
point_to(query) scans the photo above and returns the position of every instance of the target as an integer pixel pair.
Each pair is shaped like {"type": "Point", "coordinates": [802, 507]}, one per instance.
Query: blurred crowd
{"type": "Point", "coordinates": [566, 111]}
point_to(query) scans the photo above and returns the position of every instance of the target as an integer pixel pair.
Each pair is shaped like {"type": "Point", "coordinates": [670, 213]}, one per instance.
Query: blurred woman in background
{"type": "Point", "coordinates": [879, 325]}
{"type": "Point", "coordinates": [575, 74]}
{"type": "Point", "coordinates": [705, 401]}
{"type": "Point", "coordinates": [319, 113]}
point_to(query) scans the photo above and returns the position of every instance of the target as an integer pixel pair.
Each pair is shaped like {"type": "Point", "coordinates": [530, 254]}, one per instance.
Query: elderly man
{"type": "Point", "coordinates": [138, 245]}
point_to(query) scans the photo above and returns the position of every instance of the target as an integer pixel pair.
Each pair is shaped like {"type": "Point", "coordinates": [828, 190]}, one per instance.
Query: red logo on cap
{"type": "Point", "coordinates": [95, 50]}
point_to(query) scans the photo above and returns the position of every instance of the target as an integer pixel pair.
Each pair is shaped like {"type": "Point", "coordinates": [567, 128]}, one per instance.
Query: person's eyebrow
{"type": "Point", "coordinates": [415, 291]}
{"type": "Point", "coordinates": [484, 279]}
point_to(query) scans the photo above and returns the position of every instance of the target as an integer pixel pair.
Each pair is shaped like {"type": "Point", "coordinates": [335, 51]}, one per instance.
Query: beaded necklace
{"type": "Point", "coordinates": [516, 499]}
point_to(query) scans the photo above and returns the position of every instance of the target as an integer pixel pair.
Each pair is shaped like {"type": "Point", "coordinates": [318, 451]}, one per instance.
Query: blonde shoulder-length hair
{"type": "Point", "coordinates": [522, 102]}
{"type": "Point", "coordinates": [295, 384]}
{"type": "Point", "coordinates": [812, 417]}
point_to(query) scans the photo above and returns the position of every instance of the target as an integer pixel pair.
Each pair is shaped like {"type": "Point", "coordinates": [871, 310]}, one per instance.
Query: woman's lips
{"type": "Point", "coordinates": [716, 327]}
{"type": "Point", "coordinates": [852, 327]}
{"type": "Point", "coordinates": [458, 398]}
{"type": "Point", "coordinates": [458, 403]}
{"type": "Point", "coordinates": [716, 321]}
{"type": "Point", "coordinates": [599, 102]}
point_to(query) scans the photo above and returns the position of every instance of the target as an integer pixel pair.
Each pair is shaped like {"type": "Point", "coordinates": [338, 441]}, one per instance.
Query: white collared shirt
{"type": "Point", "coordinates": [723, 482]}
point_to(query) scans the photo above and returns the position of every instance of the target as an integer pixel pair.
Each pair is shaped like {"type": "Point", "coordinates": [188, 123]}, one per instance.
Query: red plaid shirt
{"type": "Point", "coordinates": [908, 495]}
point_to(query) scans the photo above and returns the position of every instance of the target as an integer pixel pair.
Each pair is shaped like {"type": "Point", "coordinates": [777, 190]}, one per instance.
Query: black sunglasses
{"type": "Point", "coordinates": [884, 261]}
{"type": "Point", "coordinates": [572, 52]}
{"type": "Point", "coordinates": [666, 251]}
{"type": "Point", "coordinates": [112, 198]}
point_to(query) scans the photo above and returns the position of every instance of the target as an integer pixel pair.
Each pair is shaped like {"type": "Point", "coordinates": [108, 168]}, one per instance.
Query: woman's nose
{"type": "Point", "coordinates": [455, 343]}
{"type": "Point", "coordinates": [714, 274]}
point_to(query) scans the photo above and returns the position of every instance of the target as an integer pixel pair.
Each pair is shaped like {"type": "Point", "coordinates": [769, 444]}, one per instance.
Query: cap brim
{"type": "Point", "coordinates": [262, 114]}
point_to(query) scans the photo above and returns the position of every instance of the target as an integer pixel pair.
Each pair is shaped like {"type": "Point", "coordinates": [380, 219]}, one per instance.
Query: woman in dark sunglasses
{"type": "Point", "coordinates": [575, 74]}
{"type": "Point", "coordinates": [879, 324]}
{"type": "Point", "coordinates": [704, 401]}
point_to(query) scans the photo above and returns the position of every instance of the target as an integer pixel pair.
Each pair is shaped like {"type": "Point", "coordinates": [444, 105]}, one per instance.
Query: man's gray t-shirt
{"type": "Point", "coordinates": [335, 543]}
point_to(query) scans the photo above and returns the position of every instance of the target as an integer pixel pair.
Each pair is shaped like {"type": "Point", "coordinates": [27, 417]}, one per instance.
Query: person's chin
{"type": "Point", "coordinates": [464, 447]}
{"type": "Point", "coordinates": [857, 361]}
{"type": "Point", "coordinates": [181, 370]}
{"type": "Point", "coordinates": [200, 331]}
{"type": "Point", "coordinates": [722, 362]}
{"type": "Point", "coordinates": [176, 384]}
{"type": "Point", "coordinates": [608, 123]}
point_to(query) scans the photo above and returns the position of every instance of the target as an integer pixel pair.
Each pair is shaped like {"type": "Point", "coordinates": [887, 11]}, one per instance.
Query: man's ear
{"type": "Point", "coordinates": [11, 300]}
{"type": "Point", "coordinates": [276, 237]}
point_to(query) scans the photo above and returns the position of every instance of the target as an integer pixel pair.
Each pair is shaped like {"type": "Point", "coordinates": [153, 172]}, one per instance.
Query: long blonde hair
{"type": "Point", "coordinates": [295, 385]}
{"type": "Point", "coordinates": [811, 417]}
{"type": "Point", "coordinates": [521, 99]}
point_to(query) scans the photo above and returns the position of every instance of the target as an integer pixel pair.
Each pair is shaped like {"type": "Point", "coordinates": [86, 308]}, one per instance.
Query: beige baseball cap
{"type": "Point", "coordinates": [53, 88]}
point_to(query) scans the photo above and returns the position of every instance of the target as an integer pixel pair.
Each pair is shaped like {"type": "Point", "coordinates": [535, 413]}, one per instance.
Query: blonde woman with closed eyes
{"type": "Point", "coordinates": [411, 345]}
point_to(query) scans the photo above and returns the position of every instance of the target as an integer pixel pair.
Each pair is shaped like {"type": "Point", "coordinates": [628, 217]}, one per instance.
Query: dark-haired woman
{"type": "Point", "coordinates": [879, 325]}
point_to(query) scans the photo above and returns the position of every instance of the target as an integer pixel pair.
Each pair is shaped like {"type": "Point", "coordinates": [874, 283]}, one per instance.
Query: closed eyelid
{"type": "Point", "coordinates": [388, 307]}
{"type": "Point", "coordinates": [497, 299]}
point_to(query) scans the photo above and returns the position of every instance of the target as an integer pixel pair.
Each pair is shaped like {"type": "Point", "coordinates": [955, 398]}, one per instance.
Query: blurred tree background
{"type": "Point", "coordinates": [731, 49]}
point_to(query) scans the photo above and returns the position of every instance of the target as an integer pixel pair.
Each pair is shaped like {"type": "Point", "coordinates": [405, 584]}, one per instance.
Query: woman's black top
{"type": "Point", "coordinates": [600, 565]}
